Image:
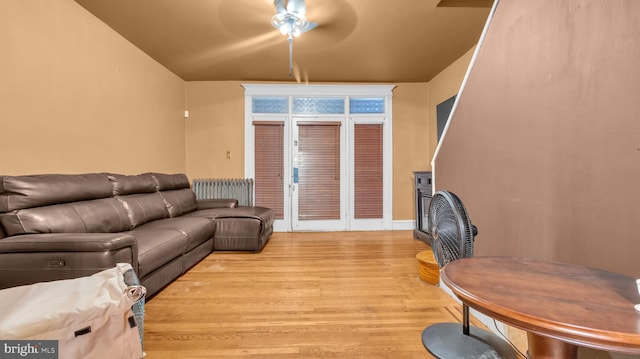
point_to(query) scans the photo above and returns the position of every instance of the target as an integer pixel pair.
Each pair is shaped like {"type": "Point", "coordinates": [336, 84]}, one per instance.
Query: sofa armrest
{"type": "Point", "coordinates": [67, 242]}
{"type": "Point", "coordinates": [32, 258]}
{"type": "Point", "coordinates": [217, 203]}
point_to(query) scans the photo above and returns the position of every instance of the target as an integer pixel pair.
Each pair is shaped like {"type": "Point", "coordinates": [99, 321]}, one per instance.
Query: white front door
{"type": "Point", "coordinates": [318, 175]}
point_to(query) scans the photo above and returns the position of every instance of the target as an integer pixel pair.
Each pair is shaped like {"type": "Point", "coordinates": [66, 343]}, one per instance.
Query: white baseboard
{"type": "Point", "coordinates": [403, 225]}
{"type": "Point", "coordinates": [400, 225]}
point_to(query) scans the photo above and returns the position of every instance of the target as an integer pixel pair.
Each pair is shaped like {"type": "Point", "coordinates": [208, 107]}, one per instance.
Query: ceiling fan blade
{"type": "Point", "coordinates": [297, 7]}
{"type": "Point", "coordinates": [308, 25]}
{"type": "Point", "coordinates": [335, 21]}
{"type": "Point", "coordinates": [280, 8]}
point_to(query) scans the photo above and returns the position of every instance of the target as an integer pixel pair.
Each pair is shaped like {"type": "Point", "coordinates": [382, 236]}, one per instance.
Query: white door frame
{"type": "Point", "coordinates": [346, 91]}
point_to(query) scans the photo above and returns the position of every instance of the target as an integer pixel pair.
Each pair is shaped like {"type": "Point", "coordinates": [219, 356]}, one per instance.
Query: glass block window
{"type": "Point", "coordinates": [366, 105]}
{"type": "Point", "coordinates": [318, 105]}
{"type": "Point", "coordinates": [270, 105]}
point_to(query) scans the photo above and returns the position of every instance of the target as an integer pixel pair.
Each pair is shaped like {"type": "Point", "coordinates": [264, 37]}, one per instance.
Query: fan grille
{"type": "Point", "coordinates": [450, 227]}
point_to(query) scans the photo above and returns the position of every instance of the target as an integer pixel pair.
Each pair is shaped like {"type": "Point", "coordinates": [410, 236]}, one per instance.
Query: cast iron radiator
{"type": "Point", "coordinates": [238, 188]}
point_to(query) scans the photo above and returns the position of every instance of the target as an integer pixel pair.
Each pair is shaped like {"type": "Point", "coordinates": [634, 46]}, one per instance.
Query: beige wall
{"type": "Point", "coordinates": [76, 97]}
{"type": "Point", "coordinates": [216, 125]}
{"type": "Point", "coordinates": [415, 130]}
{"type": "Point", "coordinates": [446, 84]}
{"type": "Point", "coordinates": [543, 147]}
{"type": "Point", "coordinates": [410, 144]}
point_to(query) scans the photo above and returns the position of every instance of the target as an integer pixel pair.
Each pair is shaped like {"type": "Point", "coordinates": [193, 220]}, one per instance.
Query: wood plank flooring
{"type": "Point", "coordinates": [306, 295]}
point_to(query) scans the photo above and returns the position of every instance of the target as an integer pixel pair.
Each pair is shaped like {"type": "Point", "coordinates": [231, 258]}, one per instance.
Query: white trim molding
{"type": "Point", "coordinates": [348, 120]}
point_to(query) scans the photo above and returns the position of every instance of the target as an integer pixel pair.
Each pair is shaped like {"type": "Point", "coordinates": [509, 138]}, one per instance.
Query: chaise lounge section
{"type": "Point", "coordinates": [66, 226]}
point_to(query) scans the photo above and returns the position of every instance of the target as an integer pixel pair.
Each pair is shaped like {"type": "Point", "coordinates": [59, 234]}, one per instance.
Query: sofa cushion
{"type": "Point", "coordinates": [229, 219]}
{"type": "Point", "coordinates": [166, 182]}
{"type": "Point", "coordinates": [179, 201]}
{"type": "Point", "coordinates": [143, 208]}
{"type": "Point", "coordinates": [239, 234]}
{"type": "Point", "coordinates": [156, 247]}
{"type": "Point", "coordinates": [264, 214]}
{"type": "Point", "coordinates": [197, 230]}
{"type": "Point", "coordinates": [105, 215]}
{"type": "Point", "coordinates": [19, 192]}
{"type": "Point", "coordinates": [208, 203]}
{"type": "Point", "coordinates": [123, 184]}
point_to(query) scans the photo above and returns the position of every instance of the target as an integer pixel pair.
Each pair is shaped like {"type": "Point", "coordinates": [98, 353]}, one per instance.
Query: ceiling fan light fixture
{"type": "Point", "coordinates": [284, 29]}
{"type": "Point", "coordinates": [289, 23]}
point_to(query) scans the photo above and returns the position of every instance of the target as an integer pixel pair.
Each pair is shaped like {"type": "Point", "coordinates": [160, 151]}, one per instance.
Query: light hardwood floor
{"type": "Point", "coordinates": [306, 295]}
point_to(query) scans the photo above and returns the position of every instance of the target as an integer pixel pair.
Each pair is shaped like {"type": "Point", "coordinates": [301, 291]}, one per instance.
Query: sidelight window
{"type": "Point", "coordinates": [269, 166]}
{"type": "Point", "coordinates": [368, 171]}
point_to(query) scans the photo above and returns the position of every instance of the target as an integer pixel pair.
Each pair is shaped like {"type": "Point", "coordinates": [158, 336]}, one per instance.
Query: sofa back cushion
{"type": "Point", "coordinates": [123, 184]}
{"type": "Point", "coordinates": [179, 201]}
{"type": "Point", "coordinates": [96, 216]}
{"type": "Point", "coordinates": [176, 192]}
{"type": "Point", "coordinates": [144, 207]}
{"type": "Point", "coordinates": [165, 182]}
{"type": "Point", "coordinates": [20, 192]}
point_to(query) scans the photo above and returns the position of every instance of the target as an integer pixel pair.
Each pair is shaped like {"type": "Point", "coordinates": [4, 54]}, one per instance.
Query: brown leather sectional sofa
{"type": "Point", "coordinates": [66, 226]}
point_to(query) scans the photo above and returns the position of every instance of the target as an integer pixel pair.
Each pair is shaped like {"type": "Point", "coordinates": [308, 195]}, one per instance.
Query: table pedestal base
{"type": "Point", "coordinates": [547, 348]}
{"type": "Point", "coordinates": [446, 341]}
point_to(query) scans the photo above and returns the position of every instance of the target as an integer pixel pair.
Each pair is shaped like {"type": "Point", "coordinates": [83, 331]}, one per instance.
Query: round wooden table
{"type": "Point", "coordinates": [561, 306]}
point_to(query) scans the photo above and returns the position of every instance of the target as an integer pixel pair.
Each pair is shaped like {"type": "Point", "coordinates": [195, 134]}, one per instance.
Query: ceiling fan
{"type": "Point", "coordinates": [290, 19]}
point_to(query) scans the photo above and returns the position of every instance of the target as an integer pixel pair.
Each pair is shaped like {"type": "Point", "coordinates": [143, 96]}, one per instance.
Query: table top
{"type": "Point", "coordinates": [575, 304]}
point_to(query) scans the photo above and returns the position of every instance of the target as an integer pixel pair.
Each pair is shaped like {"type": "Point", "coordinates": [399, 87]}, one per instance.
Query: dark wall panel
{"type": "Point", "coordinates": [544, 145]}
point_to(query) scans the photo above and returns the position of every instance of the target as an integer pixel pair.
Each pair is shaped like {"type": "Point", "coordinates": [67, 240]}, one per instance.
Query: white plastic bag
{"type": "Point", "coordinates": [90, 317]}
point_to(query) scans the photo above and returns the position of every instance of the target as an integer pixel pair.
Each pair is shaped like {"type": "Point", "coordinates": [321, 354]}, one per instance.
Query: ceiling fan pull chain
{"type": "Point", "coordinates": [290, 55]}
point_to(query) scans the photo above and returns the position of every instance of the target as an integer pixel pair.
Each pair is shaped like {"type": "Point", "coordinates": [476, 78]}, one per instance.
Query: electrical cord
{"type": "Point", "coordinates": [495, 324]}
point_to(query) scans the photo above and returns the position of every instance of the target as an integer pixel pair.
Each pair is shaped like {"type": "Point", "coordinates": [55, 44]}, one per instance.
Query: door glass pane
{"type": "Point", "coordinates": [368, 171]}
{"type": "Point", "coordinates": [319, 171]}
